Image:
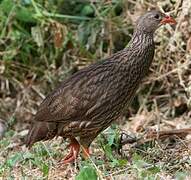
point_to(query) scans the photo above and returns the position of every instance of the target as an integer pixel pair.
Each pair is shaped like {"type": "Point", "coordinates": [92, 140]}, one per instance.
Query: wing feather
{"type": "Point", "coordinates": [78, 94]}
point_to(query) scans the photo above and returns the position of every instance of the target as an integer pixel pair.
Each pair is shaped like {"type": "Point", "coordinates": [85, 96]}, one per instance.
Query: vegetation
{"type": "Point", "coordinates": [43, 42]}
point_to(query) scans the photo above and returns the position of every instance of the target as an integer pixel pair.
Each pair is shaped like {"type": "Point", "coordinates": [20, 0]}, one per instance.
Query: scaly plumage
{"type": "Point", "coordinates": [90, 100]}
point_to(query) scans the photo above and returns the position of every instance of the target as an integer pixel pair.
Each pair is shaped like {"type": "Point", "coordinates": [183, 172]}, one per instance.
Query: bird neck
{"type": "Point", "coordinates": [141, 40]}
{"type": "Point", "coordinates": [140, 55]}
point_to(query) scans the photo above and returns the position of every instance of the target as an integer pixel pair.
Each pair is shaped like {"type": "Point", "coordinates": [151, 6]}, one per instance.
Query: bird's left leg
{"type": "Point", "coordinates": [85, 142]}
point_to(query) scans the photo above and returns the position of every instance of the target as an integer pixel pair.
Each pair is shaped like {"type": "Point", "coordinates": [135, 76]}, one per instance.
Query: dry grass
{"type": "Point", "coordinates": [162, 102]}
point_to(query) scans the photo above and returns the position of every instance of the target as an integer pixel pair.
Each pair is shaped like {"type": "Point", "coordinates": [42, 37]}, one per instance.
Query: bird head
{"type": "Point", "coordinates": [152, 20]}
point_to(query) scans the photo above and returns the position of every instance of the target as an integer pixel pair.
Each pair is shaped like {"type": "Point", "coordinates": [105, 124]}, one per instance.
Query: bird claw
{"type": "Point", "coordinates": [69, 155]}
{"type": "Point", "coordinates": [73, 154]}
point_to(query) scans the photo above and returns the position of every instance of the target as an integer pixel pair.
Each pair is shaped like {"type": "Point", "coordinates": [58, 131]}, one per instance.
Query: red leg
{"type": "Point", "coordinates": [74, 151]}
{"type": "Point", "coordinates": [86, 152]}
{"type": "Point", "coordinates": [70, 153]}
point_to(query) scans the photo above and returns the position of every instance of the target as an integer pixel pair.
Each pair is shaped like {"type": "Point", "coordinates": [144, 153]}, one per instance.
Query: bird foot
{"type": "Point", "coordinates": [73, 154]}
{"type": "Point", "coordinates": [74, 151]}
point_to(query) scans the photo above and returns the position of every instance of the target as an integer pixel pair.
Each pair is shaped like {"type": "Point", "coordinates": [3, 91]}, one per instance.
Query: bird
{"type": "Point", "coordinates": [87, 102]}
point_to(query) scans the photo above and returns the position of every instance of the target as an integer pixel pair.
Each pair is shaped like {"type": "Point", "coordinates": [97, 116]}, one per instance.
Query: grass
{"type": "Point", "coordinates": [149, 161]}
{"type": "Point", "coordinates": [43, 42]}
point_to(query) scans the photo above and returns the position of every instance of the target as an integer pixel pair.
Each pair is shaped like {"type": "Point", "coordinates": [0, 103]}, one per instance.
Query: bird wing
{"type": "Point", "coordinates": [76, 95]}
{"type": "Point", "coordinates": [61, 105]}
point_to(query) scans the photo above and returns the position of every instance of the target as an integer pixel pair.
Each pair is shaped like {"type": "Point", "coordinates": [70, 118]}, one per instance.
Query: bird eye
{"type": "Point", "coordinates": [157, 16]}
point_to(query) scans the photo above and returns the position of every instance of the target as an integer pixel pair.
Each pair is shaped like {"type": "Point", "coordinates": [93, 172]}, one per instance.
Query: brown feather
{"type": "Point", "coordinates": [87, 102]}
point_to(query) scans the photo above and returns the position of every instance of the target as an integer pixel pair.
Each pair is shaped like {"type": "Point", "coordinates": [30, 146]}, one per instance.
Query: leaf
{"type": "Point", "coordinates": [180, 175]}
{"type": "Point", "coordinates": [37, 35]}
{"type": "Point", "coordinates": [86, 173]}
{"type": "Point", "coordinates": [109, 154]}
{"type": "Point", "coordinates": [189, 162]}
{"type": "Point", "coordinates": [122, 162]}
{"type": "Point", "coordinates": [6, 6]}
{"type": "Point", "coordinates": [83, 32]}
{"type": "Point", "coordinates": [28, 155]}
{"type": "Point", "coordinates": [37, 161]}
{"type": "Point", "coordinates": [21, 13]}
{"type": "Point", "coordinates": [24, 14]}
{"type": "Point", "coordinates": [14, 159]}
{"type": "Point", "coordinates": [45, 169]}
{"type": "Point", "coordinates": [138, 161]}
{"type": "Point", "coordinates": [59, 32]}
{"type": "Point", "coordinates": [27, 2]}
{"type": "Point", "coordinates": [111, 139]}
{"type": "Point", "coordinates": [87, 10]}
{"type": "Point", "coordinates": [4, 143]}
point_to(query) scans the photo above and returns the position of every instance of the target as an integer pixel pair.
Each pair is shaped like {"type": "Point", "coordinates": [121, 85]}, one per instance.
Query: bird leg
{"type": "Point", "coordinates": [74, 151]}
{"type": "Point", "coordinates": [86, 152]}
{"type": "Point", "coordinates": [85, 142]}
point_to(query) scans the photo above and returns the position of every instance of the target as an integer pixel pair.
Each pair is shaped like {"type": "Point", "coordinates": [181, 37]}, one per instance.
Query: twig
{"type": "Point", "coordinates": [172, 71]}
{"type": "Point", "coordinates": [153, 135]}
{"type": "Point", "coordinates": [165, 134]}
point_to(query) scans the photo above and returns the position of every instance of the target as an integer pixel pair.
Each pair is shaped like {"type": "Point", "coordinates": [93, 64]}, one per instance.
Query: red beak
{"type": "Point", "coordinates": [167, 20]}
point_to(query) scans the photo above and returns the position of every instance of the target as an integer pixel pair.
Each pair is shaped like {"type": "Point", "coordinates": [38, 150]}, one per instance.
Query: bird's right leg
{"type": "Point", "coordinates": [74, 151]}
{"type": "Point", "coordinates": [85, 142]}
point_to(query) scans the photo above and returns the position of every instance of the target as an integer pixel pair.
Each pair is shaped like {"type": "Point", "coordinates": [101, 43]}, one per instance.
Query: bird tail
{"type": "Point", "coordinates": [40, 131]}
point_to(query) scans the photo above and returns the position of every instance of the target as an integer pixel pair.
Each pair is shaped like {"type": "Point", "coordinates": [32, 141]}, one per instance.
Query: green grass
{"type": "Point", "coordinates": [42, 160]}
{"type": "Point", "coordinates": [43, 42]}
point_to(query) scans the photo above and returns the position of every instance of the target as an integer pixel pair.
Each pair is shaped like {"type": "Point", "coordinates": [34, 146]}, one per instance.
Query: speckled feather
{"type": "Point", "coordinates": [87, 102]}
